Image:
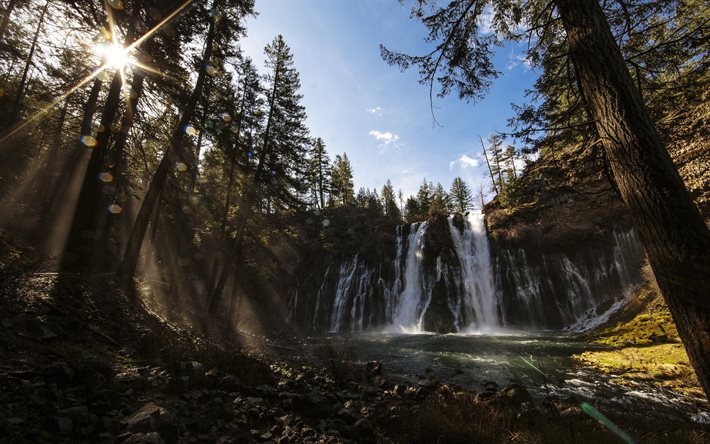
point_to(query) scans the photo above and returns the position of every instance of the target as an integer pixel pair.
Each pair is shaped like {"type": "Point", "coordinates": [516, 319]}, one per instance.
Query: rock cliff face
{"type": "Point", "coordinates": [444, 276]}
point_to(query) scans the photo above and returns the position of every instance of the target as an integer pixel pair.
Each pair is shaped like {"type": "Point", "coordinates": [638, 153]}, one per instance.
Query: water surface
{"type": "Point", "coordinates": [542, 362]}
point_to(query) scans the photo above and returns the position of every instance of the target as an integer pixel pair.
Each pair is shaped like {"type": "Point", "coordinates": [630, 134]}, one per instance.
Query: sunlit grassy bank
{"type": "Point", "coordinates": [645, 347]}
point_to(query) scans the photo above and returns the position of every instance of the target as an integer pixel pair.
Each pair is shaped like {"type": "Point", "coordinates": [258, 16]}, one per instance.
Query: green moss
{"type": "Point", "coordinates": [645, 346]}
{"type": "Point", "coordinates": [666, 365]}
{"type": "Point", "coordinates": [653, 325]}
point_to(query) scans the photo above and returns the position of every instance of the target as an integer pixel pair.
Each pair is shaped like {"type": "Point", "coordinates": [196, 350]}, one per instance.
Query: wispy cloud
{"type": "Point", "coordinates": [376, 110]}
{"type": "Point", "coordinates": [384, 137]}
{"type": "Point", "coordinates": [464, 161]}
{"type": "Point", "coordinates": [516, 59]}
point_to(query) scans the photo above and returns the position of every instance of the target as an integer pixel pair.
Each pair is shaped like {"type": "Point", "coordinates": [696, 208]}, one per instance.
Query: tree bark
{"type": "Point", "coordinates": [676, 239]}
{"type": "Point", "coordinates": [174, 153]}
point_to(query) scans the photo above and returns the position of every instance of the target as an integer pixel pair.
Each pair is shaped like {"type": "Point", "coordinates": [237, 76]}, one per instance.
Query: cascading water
{"type": "Point", "coordinates": [408, 304]}
{"type": "Point", "coordinates": [476, 273]}
{"type": "Point", "coordinates": [445, 277]}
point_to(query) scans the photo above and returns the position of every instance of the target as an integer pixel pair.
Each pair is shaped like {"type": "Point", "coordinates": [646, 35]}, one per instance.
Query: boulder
{"type": "Point", "coordinates": [153, 418]}
{"type": "Point", "coordinates": [516, 395]}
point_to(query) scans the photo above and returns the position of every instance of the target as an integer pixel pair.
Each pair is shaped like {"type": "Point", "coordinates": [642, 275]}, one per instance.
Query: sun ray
{"type": "Point", "coordinates": [152, 70]}
{"type": "Point", "coordinates": [106, 64]}
{"type": "Point", "coordinates": [162, 23]}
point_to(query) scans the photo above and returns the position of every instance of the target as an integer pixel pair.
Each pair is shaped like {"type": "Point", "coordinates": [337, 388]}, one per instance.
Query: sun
{"type": "Point", "coordinates": [116, 56]}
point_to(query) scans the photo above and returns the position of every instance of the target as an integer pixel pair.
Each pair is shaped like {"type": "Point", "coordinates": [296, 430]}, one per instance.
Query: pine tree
{"type": "Point", "coordinates": [274, 179]}
{"type": "Point", "coordinates": [389, 203]}
{"type": "Point", "coordinates": [343, 190]}
{"type": "Point", "coordinates": [461, 197]}
{"type": "Point", "coordinates": [440, 200]}
{"type": "Point", "coordinates": [319, 172]}
{"type": "Point", "coordinates": [412, 210]}
{"type": "Point", "coordinates": [424, 197]}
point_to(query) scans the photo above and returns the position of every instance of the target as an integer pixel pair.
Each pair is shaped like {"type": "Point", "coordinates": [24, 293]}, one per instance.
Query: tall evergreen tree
{"type": "Point", "coordinates": [279, 159]}
{"type": "Point", "coordinates": [440, 201]}
{"type": "Point", "coordinates": [424, 198]}
{"type": "Point", "coordinates": [343, 190]}
{"type": "Point", "coordinates": [389, 201]}
{"type": "Point", "coordinates": [461, 197]}
{"type": "Point", "coordinates": [319, 172]}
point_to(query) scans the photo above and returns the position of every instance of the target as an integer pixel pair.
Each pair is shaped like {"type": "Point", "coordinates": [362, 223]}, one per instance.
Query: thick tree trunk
{"type": "Point", "coordinates": [83, 233]}
{"type": "Point", "coordinates": [670, 226]}
{"type": "Point", "coordinates": [175, 152]}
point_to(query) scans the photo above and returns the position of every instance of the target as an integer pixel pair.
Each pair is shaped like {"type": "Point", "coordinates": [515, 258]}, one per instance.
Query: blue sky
{"type": "Point", "coordinates": [381, 117]}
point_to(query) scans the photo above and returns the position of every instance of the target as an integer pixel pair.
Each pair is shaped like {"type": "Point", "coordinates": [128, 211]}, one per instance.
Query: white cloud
{"type": "Point", "coordinates": [376, 110]}
{"type": "Point", "coordinates": [485, 21]}
{"type": "Point", "coordinates": [386, 137]}
{"type": "Point", "coordinates": [464, 162]}
{"type": "Point", "coordinates": [516, 59]}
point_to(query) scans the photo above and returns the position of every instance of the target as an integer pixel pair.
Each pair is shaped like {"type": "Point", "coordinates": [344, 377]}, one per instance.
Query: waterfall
{"type": "Point", "coordinates": [345, 279]}
{"type": "Point", "coordinates": [443, 276]}
{"type": "Point", "coordinates": [408, 305]}
{"type": "Point", "coordinates": [476, 273]}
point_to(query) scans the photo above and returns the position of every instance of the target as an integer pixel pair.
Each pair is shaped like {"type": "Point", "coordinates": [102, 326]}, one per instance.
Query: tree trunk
{"type": "Point", "coordinates": [676, 239]}
{"type": "Point", "coordinates": [490, 171]}
{"type": "Point", "coordinates": [174, 153]}
{"type": "Point", "coordinates": [248, 196]}
{"type": "Point", "coordinates": [85, 231]}
{"type": "Point", "coordinates": [119, 170]}
{"type": "Point", "coordinates": [6, 18]}
{"type": "Point", "coordinates": [25, 72]}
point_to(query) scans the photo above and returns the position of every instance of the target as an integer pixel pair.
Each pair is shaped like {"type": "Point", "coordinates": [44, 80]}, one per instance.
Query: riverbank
{"type": "Point", "coordinates": [644, 346]}
{"type": "Point", "coordinates": [70, 372]}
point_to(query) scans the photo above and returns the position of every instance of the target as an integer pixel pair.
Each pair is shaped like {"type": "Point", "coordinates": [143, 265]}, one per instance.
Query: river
{"type": "Point", "coordinates": [542, 362]}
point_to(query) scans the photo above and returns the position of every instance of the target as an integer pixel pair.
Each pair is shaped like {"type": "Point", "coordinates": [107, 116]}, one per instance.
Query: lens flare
{"type": "Point", "coordinates": [116, 56]}
{"type": "Point", "coordinates": [114, 209]}
{"type": "Point", "coordinates": [88, 141]}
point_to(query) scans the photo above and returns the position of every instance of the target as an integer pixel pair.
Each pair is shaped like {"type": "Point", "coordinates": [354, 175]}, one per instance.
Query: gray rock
{"type": "Point", "coordinates": [47, 333]}
{"type": "Point", "coordinates": [58, 372]}
{"type": "Point", "coordinates": [152, 418]}
{"type": "Point", "coordinates": [192, 370]}
{"type": "Point", "coordinates": [144, 438]}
